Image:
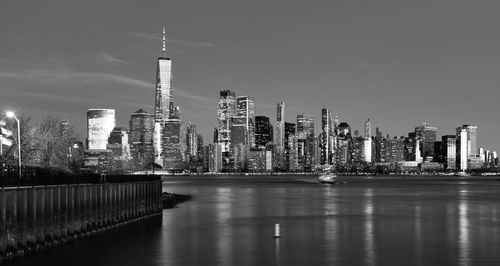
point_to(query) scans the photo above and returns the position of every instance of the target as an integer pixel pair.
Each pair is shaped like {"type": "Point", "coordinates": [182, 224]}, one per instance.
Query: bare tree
{"type": "Point", "coordinates": [46, 145]}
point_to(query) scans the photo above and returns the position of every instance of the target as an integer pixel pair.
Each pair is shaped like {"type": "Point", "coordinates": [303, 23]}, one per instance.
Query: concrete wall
{"type": "Point", "coordinates": [31, 217]}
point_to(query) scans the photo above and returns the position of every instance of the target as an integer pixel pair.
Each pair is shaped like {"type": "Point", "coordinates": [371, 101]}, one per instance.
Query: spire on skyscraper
{"type": "Point", "coordinates": [164, 49]}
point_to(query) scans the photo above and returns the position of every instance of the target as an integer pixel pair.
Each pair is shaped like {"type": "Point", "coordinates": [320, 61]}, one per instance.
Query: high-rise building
{"type": "Point", "coordinates": [226, 109]}
{"type": "Point", "coordinates": [279, 136]}
{"type": "Point", "coordinates": [289, 131]}
{"type": "Point", "coordinates": [438, 152]}
{"type": "Point", "coordinates": [427, 136]}
{"type": "Point", "coordinates": [163, 101]}
{"type": "Point", "coordinates": [215, 157]}
{"type": "Point", "coordinates": [191, 142]}
{"type": "Point", "coordinates": [305, 123]}
{"type": "Point", "coordinates": [239, 131]}
{"type": "Point", "coordinates": [305, 131]}
{"type": "Point", "coordinates": [449, 149]}
{"type": "Point", "coordinates": [462, 148]}
{"type": "Point", "coordinates": [325, 137]}
{"type": "Point", "coordinates": [395, 150]}
{"type": "Point", "coordinates": [259, 160]}
{"type": "Point", "coordinates": [118, 144]}
{"type": "Point", "coordinates": [473, 156]}
{"type": "Point", "coordinates": [368, 129]}
{"type": "Point", "coordinates": [344, 130]}
{"type": "Point", "coordinates": [100, 123]}
{"type": "Point", "coordinates": [199, 140]}
{"type": "Point", "coordinates": [367, 143]}
{"type": "Point", "coordinates": [358, 150]}
{"type": "Point", "coordinates": [245, 107]}
{"type": "Point", "coordinates": [280, 126]}
{"type": "Point", "coordinates": [141, 128]}
{"type": "Point", "coordinates": [294, 154]}
{"type": "Point", "coordinates": [173, 146]}
{"type": "Point", "coordinates": [240, 152]}
{"type": "Point", "coordinates": [263, 131]}
{"type": "Point", "coordinates": [472, 149]}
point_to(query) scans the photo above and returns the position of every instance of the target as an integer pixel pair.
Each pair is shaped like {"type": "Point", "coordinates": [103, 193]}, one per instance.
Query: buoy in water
{"type": "Point", "coordinates": [276, 231]}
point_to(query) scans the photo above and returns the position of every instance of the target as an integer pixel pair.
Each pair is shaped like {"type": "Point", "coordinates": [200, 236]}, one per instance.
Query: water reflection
{"type": "Point", "coordinates": [463, 230]}
{"type": "Point", "coordinates": [223, 209]}
{"type": "Point", "coordinates": [331, 223]}
{"type": "Point", "coordinates": [368, 227]}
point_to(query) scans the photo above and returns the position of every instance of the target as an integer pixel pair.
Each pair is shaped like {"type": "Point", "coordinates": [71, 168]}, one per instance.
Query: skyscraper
{"type": "Point", "coordinates": [462, 148]}
{"type": "Point", "coordinates": [245, 107]}
{"type": "Point", "coordinates": [173, 146]}
{"type": "Point", "coordinates": [163, 101]}
{"type": "Point", "coordinates": [263, 131]}
{"type": "Point", "coordinates": [325, 137]}
{"type": "Point", "coordinates": [427, 136]}
{"type": "Point", "coordinates": [226, 109]}
{"type": "Point", "coordinates": [473, 159]}
{"type": "Point", "coordinates": [100, 123]}
{"type": "Point", "coordinates": [141, 128]}
{"type": "Point", "coordinates": [118, 144]}
{"type": "Point", "coordinates": [279, 136]}
{"type": "Point", "coordinates": [449, 151]}
{"type": "Point", "coordinates": [367, 143]}
{"type": "Point", "coordinates": [472, 149]}
{"type": "Point", "coordinates": [191, 142]}
{"type": "Point", "coordinates": [305, 123]}
{"type": "Point", "coordinates": [239, 131]}
{"type": "Point", "coordinates": [305, 133]}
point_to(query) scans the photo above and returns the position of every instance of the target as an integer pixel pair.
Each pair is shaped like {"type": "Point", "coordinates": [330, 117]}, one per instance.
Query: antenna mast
{"type": "Point", "coordinates": [164, 47]}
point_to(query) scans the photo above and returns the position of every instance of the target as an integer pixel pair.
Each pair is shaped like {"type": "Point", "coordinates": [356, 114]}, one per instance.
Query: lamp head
{"type": "Point", "coordinates": [10, 114]}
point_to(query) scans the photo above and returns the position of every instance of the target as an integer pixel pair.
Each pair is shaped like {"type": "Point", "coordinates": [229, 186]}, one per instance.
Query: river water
{"type": "Point", "coordinates": [230, 221]}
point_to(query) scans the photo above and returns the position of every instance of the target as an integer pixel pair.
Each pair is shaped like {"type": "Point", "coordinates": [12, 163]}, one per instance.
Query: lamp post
{"type": "Point", "coordinates": [11, 114]}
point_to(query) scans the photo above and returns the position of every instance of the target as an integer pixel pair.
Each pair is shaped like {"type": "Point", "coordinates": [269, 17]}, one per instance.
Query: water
{"type": "Point", "coordinates": [231, 221]}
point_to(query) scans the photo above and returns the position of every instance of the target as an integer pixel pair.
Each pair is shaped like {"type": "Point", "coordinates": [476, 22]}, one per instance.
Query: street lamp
{"type": "Point", "coordinates": [11, 114]}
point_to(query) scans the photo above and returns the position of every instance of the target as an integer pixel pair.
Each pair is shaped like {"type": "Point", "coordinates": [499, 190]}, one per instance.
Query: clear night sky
{"type": "Point", "coordinates": [397, 62]}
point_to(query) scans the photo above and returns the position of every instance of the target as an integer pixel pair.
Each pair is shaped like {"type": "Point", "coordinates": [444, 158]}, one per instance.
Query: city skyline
{"type": "Point", "coordinates": [117, 70]}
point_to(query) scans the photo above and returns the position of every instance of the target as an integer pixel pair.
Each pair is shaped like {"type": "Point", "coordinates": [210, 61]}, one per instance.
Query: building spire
{"type": "Point", "coordinates": [164, 49]}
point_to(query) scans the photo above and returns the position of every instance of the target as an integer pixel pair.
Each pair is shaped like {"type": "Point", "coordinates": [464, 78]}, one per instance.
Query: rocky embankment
{"type": "Point", "coordinates": [171, 200]}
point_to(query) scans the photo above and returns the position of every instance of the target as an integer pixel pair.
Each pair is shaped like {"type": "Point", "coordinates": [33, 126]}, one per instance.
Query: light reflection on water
{"type": "Point", "coordinates": [463, 230]}
{"type": "Point", "coordinates": [223, 198]}
{"type": "Point", "coordinates": [368, 230]}
{"type": "Point", "coordinates": [231, 222]}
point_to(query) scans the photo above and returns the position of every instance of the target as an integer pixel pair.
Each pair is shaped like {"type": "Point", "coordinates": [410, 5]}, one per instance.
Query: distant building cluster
{"type": "Point", "coordinates": [244, 142]}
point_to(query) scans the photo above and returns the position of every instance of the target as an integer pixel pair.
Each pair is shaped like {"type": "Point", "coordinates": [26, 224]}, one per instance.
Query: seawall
{"type": "Point", "coordinates": [33, 217]}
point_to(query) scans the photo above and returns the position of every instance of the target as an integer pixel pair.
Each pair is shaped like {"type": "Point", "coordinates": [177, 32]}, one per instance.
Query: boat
{"type": "Point", "coordinates": [329, 178]}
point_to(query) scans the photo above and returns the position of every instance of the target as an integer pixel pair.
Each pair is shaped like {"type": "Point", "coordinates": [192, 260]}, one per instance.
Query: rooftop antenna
{"type": "Point", "coordinates": [164, 49]}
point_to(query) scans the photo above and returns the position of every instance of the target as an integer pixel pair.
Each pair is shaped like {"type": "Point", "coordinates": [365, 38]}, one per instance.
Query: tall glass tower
{"type": "Point", "coordinates": [226, 109]}
{"type": "Point", "coordinates": [245, 108]}
{"type": "Point", "coordinates": [163, 100]}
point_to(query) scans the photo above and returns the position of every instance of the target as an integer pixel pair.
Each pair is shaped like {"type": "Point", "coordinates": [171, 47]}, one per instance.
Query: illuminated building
{"type": "Point", "coordinates": [100, 123]}
{"type": "Point", "coordinates": [141, 127]}
{"type": "Point", "coordinates": [163, 102]}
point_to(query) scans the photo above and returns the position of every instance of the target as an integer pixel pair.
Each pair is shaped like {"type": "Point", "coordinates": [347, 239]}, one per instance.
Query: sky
{"type": "Point", "coordinates": [397, 62]}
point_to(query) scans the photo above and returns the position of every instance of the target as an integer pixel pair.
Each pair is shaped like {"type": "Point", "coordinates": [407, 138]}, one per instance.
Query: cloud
{"type": "Point", "coordinates": [110, 59]}
{"type": "Point", "coordinates": [187, 43]}
{"type": "Point", "coordinates": [60, 79]}
{"type": "Point", "coordinates": [52, 76]}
